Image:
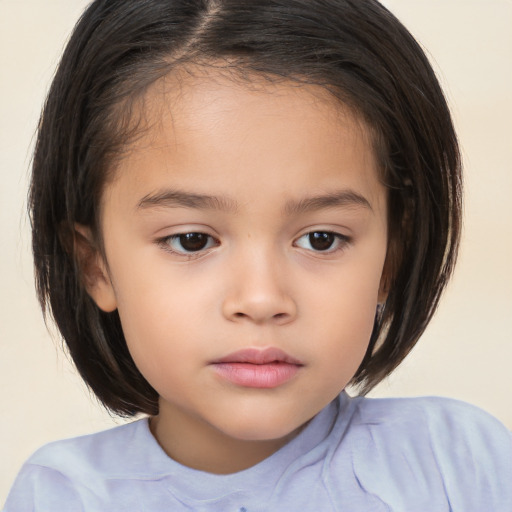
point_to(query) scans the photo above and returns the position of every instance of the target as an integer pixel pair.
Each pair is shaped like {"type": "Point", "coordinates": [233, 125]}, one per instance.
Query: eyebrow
{"type": "Point", "coordinates": [338, 199]}
{"type": "Point", "coordinates": [178, 198]}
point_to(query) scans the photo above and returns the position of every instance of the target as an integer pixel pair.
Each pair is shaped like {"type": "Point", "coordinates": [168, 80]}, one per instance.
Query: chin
{"type": "Point", "coordinates": [269, 430]}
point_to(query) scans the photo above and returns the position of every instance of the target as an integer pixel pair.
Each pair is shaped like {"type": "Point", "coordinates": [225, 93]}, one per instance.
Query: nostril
{"type": "Point", "coordinates": [259, 310]}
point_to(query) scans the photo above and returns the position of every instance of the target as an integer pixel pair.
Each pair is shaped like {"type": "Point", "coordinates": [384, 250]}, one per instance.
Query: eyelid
{"type": "Point", "coordinates": [342, 241]}
{"type": "Point", "coordinates": [164, 243]}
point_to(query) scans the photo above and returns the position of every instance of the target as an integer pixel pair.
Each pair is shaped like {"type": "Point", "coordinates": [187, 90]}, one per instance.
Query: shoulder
{"type": "Point", "coordinates": [70, 472]}
{"type": "Point", "coordinates": [452, 454]}
{"type": "Point", "coordinates": [443, 422]}
{"type": "Point", "coordinates": [40, 488]}
{"type": "Point", "coordinates": [103, 452]}
{"type": "Point", "coordinates": [435, 410]}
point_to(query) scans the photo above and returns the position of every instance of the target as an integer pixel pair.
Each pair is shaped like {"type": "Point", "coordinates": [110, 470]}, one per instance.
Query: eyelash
{"type": "Point", "coordinates": [189, 254]}
{"type": "Point", "coordinates": [341, 242]}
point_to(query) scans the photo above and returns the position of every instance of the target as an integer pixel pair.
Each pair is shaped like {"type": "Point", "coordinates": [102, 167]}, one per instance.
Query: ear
{"type": "Point", "coordinates": [93, 269]}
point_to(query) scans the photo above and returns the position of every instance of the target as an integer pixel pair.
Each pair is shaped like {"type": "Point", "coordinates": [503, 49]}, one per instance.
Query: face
{"type": "Point", "coordinates": [245, 237]}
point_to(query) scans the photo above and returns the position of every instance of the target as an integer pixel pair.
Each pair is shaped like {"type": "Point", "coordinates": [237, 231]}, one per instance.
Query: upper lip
{"type": "Point", "coordinates": [258, 356]}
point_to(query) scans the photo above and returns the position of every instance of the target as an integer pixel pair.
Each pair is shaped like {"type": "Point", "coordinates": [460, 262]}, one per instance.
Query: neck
{"type": "Point", "coordinates": [196, 444]}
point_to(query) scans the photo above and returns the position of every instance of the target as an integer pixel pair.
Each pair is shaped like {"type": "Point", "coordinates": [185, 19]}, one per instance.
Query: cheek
{"type": "Point", "coordinates": [160, 345]}
{"type": "Point", "coordinates": [344, 309]}
{"type": "Point", "coordinates": [349, 298]}
{"type": "Point", "coordinates": [154, 316]}
{"type": "Point", "coordinates": [345, 334]}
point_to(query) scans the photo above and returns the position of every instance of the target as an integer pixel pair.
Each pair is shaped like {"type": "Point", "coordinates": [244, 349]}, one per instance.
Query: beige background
{"type": "Point", "coordinates": [467, 350]}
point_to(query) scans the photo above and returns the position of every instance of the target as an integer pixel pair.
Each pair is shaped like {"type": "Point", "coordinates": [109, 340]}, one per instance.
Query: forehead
{"type": "Point", "coordinates": [208, 129]}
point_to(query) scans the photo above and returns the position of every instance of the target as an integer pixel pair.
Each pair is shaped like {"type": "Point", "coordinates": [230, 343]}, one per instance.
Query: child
{"type": "Point", "coordinates": [239, 208]}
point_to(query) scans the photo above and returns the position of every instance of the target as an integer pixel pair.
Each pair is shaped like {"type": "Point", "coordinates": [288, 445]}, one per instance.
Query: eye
{"type": "Point", "coordinates": [186, 243]}
{"type": "Point", "coordinates": [322, 241]}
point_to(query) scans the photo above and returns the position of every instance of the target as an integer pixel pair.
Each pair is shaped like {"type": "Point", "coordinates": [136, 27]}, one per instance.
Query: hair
{"type": "Point", "coordinates": [355, 49]}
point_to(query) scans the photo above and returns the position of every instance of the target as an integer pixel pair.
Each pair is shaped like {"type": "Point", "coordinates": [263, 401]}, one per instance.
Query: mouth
{"type": "Point", "coordinates": [259, 357]}
{"type": "Point", "coordinates": [254, 368]}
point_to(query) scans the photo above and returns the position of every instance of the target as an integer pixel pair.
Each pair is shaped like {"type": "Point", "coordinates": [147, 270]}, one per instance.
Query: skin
{"type": "Point", "coordinates": [263, 152]}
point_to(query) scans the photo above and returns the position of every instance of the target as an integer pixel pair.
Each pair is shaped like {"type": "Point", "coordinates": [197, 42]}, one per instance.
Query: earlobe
{"type": "Point", "coordinates": [93, 269]}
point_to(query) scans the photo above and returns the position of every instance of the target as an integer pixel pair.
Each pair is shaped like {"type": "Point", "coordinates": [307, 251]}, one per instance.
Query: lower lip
{"type": "Point", "coordinates": [264, 376]}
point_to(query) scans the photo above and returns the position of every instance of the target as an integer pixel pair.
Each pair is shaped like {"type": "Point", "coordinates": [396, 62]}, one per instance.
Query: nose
{"type": "Point", "coordinates": [259, 292]}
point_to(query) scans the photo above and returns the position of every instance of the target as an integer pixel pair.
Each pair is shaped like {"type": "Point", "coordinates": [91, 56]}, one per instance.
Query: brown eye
{"type": "Point", "coordinates": [321, 240]}
{"type": "Point", "coordinates": [189, 242]}
{"type": "Point", "coordinates": [193, 241]}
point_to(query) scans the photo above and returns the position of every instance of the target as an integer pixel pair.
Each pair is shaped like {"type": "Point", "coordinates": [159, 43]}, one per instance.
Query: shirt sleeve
{"type": "Point", "coordinates": [433, 454]}
{"type": "Point", "coordinates": [474, 452]}
{"type": "Point", "coordinates": [42, 489]}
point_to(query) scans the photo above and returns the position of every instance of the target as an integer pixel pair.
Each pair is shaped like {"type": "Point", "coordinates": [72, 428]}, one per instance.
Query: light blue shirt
{"type": "Point", "coordinates": [358, 454]}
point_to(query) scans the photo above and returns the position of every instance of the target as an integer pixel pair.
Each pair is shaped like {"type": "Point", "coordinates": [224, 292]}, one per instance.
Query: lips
{"type": "Point", "coordinates": [255, 356]}
{"type": "Point", "coordinates": [255, 368]}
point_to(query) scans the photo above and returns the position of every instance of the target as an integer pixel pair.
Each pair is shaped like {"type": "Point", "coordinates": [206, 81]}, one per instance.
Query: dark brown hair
{"type": "Point", "coordinates": [356, 49]}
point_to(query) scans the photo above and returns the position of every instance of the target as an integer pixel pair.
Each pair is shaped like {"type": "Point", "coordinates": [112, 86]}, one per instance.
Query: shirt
{"type": "Point", "coordinates": [358, 454]}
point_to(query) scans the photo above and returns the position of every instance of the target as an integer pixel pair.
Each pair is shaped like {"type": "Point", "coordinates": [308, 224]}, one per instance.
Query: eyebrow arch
{"type": "Point", "coordinates": [338, 199]}
{"type": "Point", "coordinates": [177, 198]}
